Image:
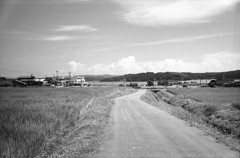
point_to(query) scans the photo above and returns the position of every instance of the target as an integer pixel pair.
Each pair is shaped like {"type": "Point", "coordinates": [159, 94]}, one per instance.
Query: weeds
{"type": "Point", "coordinates": [236, 105]}
{"type": "Point", "coordinates": [209, 110]}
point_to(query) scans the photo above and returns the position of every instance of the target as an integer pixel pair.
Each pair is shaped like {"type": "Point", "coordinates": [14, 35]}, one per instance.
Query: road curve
{"type": "Point", "coordinates": [138, 129]}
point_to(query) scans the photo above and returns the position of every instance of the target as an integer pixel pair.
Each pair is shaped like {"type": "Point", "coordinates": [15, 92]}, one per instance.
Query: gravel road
{"type": "Point", "coordinates": [139, 130]}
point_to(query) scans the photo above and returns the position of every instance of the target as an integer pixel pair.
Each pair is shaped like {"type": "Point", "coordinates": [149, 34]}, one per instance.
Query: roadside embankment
{"type": "Point", "coordinates": [220, 121]}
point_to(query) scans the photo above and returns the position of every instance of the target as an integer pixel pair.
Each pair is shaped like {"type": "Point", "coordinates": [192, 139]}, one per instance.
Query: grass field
{"type": "Point", "coordinates": [211, 95]}
{"type": "Point", "coordinates": [38, 122]}
{"type": "Point", "coordinates": [116, 83]}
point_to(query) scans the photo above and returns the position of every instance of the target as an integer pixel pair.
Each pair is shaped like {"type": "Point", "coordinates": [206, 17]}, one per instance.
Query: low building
{"type": "Point", "coordinates": [78, 81]}
{"type": "Point", "coordinates": [24, 81]}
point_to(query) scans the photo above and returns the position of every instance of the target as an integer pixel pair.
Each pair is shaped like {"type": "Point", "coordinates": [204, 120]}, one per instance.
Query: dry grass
{"type": "Point", "coordinates": [45, 122]}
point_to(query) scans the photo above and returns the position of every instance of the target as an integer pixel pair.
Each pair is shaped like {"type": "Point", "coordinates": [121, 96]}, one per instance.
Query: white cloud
{"type": "Point", "coordinates": [59, 38]}
{"type": "Point", "coordinates": [173, 40]}
{"type": "Point", "coordinates": [74, 66]}
{"type": "Point", "coordinates": [123, 66]}
{"type": "Point", "coordinates": [156, 12]}
{"type": "Point", "coordinates": [216, 62]}
{"type": "Point", "coordinates": [221, 61]}
{"type": "Point", "coordinates": [183, 39]}
{"type": "Point", "coordinates": [80, 28]}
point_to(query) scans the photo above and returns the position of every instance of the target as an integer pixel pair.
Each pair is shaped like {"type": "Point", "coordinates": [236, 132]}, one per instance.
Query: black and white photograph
{"type": "Point", "coordinates": [119, 78]}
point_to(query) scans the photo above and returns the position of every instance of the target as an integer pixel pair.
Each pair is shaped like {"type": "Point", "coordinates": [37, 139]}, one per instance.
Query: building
{"type": "Point", "coordinates": [70, 81]}
{"type": "Point", "coordinates": [78, 81]}
{"type": "Point", "coordinates": [24, 81]}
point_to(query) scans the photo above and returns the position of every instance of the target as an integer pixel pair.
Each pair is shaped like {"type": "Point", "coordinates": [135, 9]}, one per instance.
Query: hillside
{"type": "Point", "coordinates": [174, 76]}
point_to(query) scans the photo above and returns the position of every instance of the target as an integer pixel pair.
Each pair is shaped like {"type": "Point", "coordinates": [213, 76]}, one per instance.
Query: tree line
{"type": "Point", "coordinates": [150, 76]}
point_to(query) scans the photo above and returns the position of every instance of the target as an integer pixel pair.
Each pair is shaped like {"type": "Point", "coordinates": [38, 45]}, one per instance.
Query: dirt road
{"type": "Point", "coordinates": [138, 129]}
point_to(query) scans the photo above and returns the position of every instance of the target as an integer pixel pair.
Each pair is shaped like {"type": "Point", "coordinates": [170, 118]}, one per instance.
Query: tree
{"type": "Point", "coordinates": [149, 83]}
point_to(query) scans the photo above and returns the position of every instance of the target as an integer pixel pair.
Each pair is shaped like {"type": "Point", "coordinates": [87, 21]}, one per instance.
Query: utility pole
{"type": "Point", "coordinates": [57, 74]}
{"type": "Point", "coordinates": [69, 78]}
{"type": "Point", "coordinates": [130, 79]}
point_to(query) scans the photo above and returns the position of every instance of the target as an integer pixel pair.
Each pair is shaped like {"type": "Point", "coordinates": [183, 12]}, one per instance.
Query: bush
{"type": "Point", "coordinates": [236, 105]}
{"type": "Point", "coordinates": [209, 110]}
{"type": "Point", "coordinates": [150, 83]}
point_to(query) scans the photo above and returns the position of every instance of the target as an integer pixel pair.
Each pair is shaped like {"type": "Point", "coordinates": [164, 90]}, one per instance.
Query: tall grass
{"type": "Point", "coordinates": [37, 121]}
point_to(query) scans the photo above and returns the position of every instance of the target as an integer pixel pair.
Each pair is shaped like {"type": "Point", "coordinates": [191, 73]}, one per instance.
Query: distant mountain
{"type": "Point", "coordinates": [174, 76]}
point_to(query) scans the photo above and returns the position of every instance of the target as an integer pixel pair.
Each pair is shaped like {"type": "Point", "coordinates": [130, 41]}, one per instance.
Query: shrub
{"type": "Point", "coordinates": [236, 105]}
{"type": "Point", "coordinates": [209, 110]}
{"type": "Point", "coordinates": [150, 83]}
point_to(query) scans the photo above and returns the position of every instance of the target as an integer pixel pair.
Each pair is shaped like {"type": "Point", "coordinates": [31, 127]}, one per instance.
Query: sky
{"type": "Point", "coordinates": [94, 37]}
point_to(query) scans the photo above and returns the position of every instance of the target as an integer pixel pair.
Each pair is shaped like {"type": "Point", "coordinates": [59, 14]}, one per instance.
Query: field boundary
{"type": "Point", "coordinates": [84, 109]}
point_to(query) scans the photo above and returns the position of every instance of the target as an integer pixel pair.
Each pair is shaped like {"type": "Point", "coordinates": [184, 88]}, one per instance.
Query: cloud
{"type": "Point", "coordinates": [174, 40]}
{"type": "Point", "coordinates": [215, 62]}
{"type": "Point", "coordinates": [184, 39]}
{"type": "Point", "coordinates": [80, 28]}
{"type": "Point", "coordinates": [221, 61]}
{"type": "Point", "coordinates": [59, 38]}
{"type": "Point", "coordinates": [156, 12]}
{"type": "Point", "coordinates": [74, 66]}
{"type": "Point", "coordinates": [124, 65]}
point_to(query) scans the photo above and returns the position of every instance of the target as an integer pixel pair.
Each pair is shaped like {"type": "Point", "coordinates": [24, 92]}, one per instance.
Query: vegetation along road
{"type": "Point", "coordinates": [138, 129]}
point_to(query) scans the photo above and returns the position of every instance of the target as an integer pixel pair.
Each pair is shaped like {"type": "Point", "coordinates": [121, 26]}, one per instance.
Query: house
{"type": "Point", "coordinates": [28, 80]}
{"type": "Point", "coordinates": [78, 81]}
{"type": "Point", "coordinates": [67, 81]}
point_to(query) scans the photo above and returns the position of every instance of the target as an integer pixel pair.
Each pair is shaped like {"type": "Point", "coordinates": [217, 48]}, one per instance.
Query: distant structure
{"type": "Point", "coordinates": [71, 80]}
{"type": "Point", "coordinates": [78, 81]}
{"type": "Point", "coordinates": [24, 81]}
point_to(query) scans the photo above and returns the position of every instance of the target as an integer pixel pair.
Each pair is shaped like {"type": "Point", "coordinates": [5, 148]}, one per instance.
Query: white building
{"type": "Point", "coordinates": [78, 81]}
